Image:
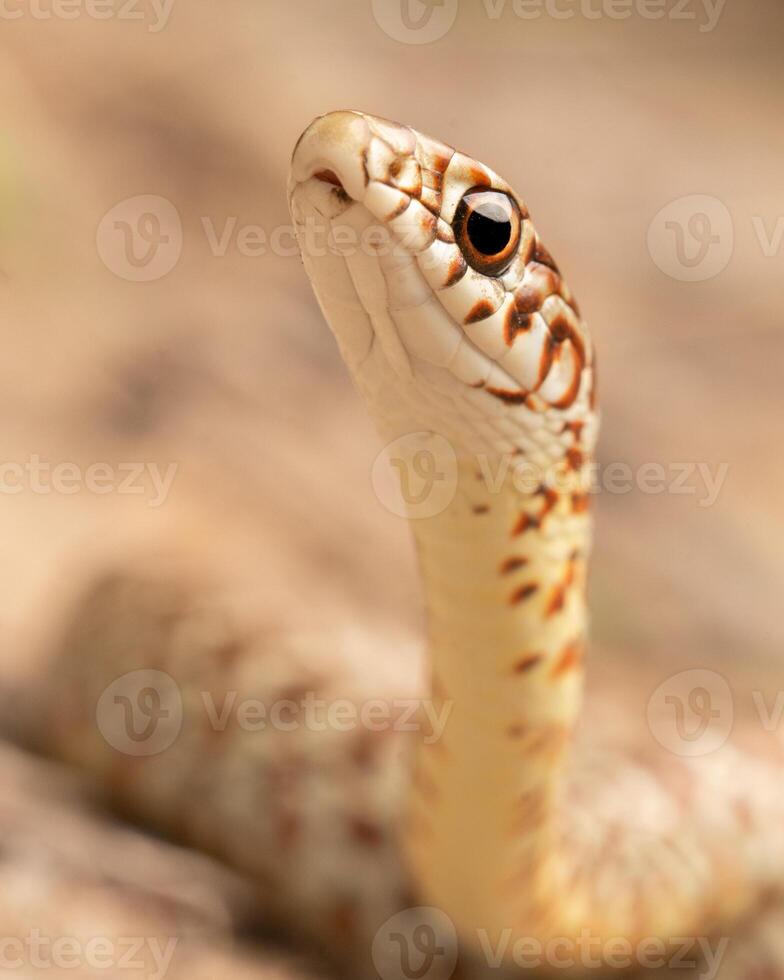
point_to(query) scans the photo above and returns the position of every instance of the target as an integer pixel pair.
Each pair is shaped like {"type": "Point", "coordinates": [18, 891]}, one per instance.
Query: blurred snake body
{"type": "Point", "coordinates": [467, 345]}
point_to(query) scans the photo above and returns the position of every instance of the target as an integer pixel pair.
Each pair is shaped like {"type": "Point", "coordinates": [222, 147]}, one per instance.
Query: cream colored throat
{"type": "Point", "coordinates": [504, 580]}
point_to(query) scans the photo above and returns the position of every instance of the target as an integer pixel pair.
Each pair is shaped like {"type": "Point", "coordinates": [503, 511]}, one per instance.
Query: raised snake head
{"type": "Point", "coordinates": [447, 307]}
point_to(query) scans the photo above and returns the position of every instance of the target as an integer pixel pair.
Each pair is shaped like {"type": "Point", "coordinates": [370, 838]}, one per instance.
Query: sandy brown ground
{"type": "Point", "coordinates": [225, 369]}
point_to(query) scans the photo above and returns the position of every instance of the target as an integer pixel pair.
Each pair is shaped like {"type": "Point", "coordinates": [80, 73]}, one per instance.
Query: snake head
{"type": "Point", "coordinates": [448, 308]}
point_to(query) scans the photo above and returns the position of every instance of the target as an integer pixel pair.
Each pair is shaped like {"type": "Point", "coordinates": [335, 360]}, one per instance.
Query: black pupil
{"type": "Point", "coordinates": [489, 228]}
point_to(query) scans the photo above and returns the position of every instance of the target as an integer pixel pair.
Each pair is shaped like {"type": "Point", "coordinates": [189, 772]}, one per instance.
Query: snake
{"type": "Point", "coordinates": [470, 351]}
{"type": "Point", "coordinates": [510, 821]}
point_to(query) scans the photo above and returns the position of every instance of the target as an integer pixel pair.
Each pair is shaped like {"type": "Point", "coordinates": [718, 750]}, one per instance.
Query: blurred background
{"type": "Point", "coordinates": [158, 326]}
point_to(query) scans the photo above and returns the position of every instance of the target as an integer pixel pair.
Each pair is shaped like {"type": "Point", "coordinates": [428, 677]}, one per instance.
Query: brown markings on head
{"type": "Point", "coordinates": [480, 509]}
{"type": "Point", "coordinates": [570, 657]}
{"type": "Point", "coordinates": [510, 397]}
{"type": "Point", "coordinates": [538, 283]}
{"type": "Point", "coordinates": [527, 300]}
{"type": "Point", "coordinates": [515, 322]}
{"type": "Point", "coordinates": [455, 270]}
{"type": "Point", "coordinates": [428, 223]}
{"type": "Point", "coordinates": [563, 330]}
{"type": "Point", "coordinates": [432, 179]}
{"type": "Point", "coordinates": [560, 328]}
{"type": "Point", "coordinates": [479, 178]}
{"type": "Point", "coordinates": [509, 565]}
{"type": "Point", "coordinates": [432, 201]}
{"type": "Point", "coordinates": [433, 154]}
{"type": "Point", "coordinates": [397, 211]}
{"type": "Point", "coordinates": [365, 171]}
{"type": "Point", "coordinates": [528, 662]}
{"type": "Point", "coordinates": [516, 731]}
{"type": "Point", "coordinates": [594, 382]}
{"type": "Point", "coordinates": [571, 393]}
{"type": "Point", "coordinates": [522, 593]}
{"type": "Point", "coordinates": [481, 310]}
{"type": "Point", "coordinates": [549, 351]}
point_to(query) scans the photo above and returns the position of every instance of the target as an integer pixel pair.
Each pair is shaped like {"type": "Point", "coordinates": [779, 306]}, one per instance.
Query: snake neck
{"type": "Point", "coordinates": [504, 574]}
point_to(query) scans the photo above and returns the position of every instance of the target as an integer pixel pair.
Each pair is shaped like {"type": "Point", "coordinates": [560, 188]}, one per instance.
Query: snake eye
{"type": "Point", "coordinates": [487, 229]}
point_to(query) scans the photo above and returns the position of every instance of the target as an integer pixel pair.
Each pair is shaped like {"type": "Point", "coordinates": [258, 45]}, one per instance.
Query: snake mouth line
{"type": "Point", "coordinates": [330, 177]}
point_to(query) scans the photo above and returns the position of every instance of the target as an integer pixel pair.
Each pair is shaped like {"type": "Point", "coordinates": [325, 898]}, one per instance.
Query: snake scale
{"type": "Point", "coordinates": [470, 352]}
